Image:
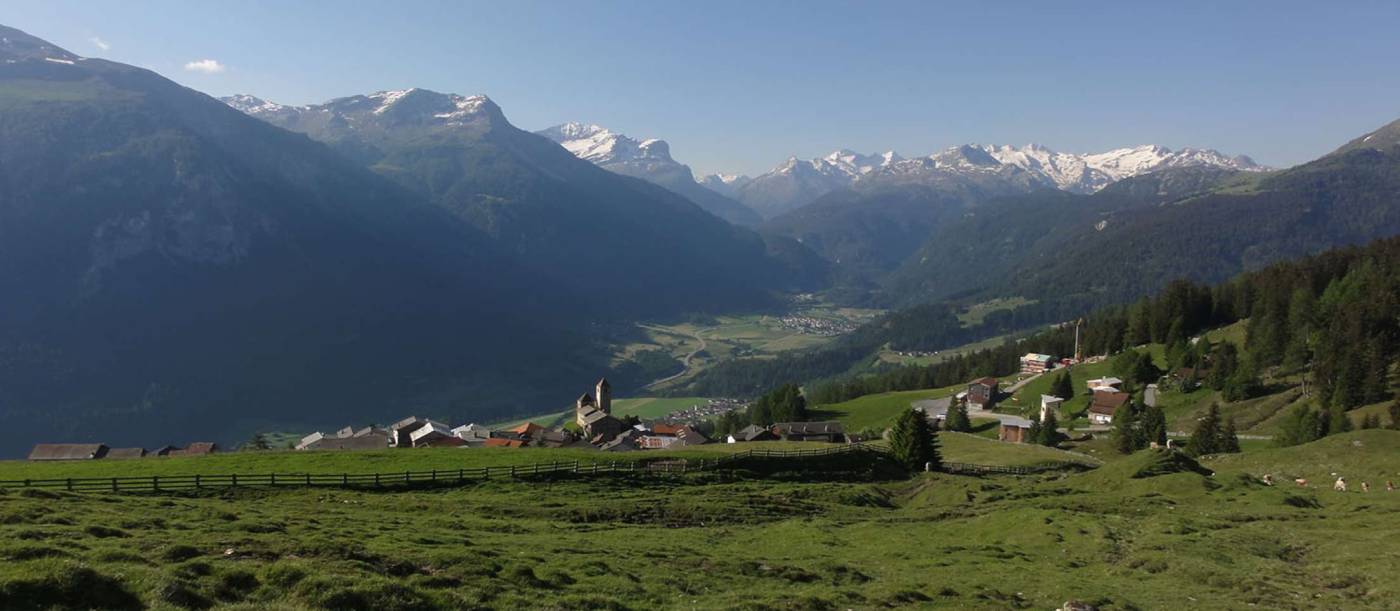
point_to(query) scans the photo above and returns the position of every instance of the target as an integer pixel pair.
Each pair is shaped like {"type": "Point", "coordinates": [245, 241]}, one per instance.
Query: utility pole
{"type": "Point", "coordinates": [1078, 354]}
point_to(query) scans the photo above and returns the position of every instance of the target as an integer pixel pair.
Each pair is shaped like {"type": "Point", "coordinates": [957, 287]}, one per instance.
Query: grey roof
{"type": "Point", "coordinates": [809, 428]}
{"type": "Point", "coordinates": [751, 432]}
{"type": "Point", "coordinates": [67, 451]}
{"type": "Point", "coordinates": [123, 453]}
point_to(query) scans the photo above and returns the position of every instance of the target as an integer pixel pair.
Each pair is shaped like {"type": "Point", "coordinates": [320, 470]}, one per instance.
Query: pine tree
{"type": "Point", "coordinates": [1206, 438]}
{"type": "Point", "coordinates": [913, 441]}
{"type": "Point", "coordinates": [1229, 440]}
{"type": "Point", "coordinates": [1301, 425]}
{"type": "Point", "coordinates": [957, 418]}
{"type": "Point", "coordinates": [1125, 433]}
{"type": "Point", "coordinates": [1154, 425]}
{"type": "Point", "coordinates": [1033, 433]}
{"type": "Point", "coordinates": [258, 442]}
{"type": "Point", "coordinates": [1049, 430]}
{"type": "Point", "coordinates": [1371, 421]}
{"type": "Point", "coordinates": [1063, 387]}
{"type": "Point", "coordinates": [1337, 420]}
{"type": "Point", "coordinates": [1395, 415]}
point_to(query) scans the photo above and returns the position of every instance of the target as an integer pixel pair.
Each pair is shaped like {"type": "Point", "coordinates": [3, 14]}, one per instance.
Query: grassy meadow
{"type": "Point", "coordinates": [1146, 531]}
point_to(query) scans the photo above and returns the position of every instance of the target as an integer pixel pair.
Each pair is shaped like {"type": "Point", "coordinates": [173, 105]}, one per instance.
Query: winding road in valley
{"type": "Point", "coordinates": [684, 360]}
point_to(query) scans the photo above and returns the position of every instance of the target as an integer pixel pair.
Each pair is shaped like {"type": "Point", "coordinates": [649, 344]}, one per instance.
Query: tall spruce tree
{"type": "Point", "coordinates": [1206, 438]}
{"type": "Point", "coordinates": [1154, 425]}
{"type": "Point", "coordinates": [1063, 387]}
{"type": "Point", "coordinates": [957, 418]}
{"type": "Point", "coordinates": [1229, 439]}
{"type": "Point", "coordinates": [1049, 430]}
{"type": "Point", "coordinates": [1337, 420]}
{"type": "Point", "coordinates": [1300, 425]}
{"type": "Point", "coordinates": [1125, 429]}
{"type": "Point", "coordinates": [914, 442]}
{"type": "Point", "coordinates": [1395, 415]}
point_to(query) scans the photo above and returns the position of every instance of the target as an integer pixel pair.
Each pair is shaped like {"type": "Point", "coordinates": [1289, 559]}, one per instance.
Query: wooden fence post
{"type": "Point", "coordinates": [114, 484]}
{"type": "Point", "coordinates": [344, 480]}
{"type": "Point", "coordinates": [272, 478]}
{"type": "Point", "coordinates": [155, 482]}
{"type": "Point", "coordinates": [308, 479]}
{"type": "Point", "coordinates": [196, 482]}
{"type": "Point", "coordinates": [235, 480]}
{"type": "Point", "coordinates": [70, 484]}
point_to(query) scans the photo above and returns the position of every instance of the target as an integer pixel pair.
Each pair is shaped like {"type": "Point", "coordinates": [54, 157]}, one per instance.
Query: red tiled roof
{"type": "Point", "coordinates": [662, 428]}
{"type": "Point", "coordinates": [500, 442]}
{"type": "Point", "coordinates": [527, 429]}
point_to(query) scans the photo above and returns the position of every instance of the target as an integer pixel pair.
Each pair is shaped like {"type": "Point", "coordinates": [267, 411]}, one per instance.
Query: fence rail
{"type": "Point", "coordinates": [158, 483]}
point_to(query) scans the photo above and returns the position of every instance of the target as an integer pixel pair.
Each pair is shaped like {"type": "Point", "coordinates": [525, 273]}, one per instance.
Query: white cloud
{"type": "Point", "coordinates": [99, 43]}
{"type": "Point", "coordinates": [207, 66]}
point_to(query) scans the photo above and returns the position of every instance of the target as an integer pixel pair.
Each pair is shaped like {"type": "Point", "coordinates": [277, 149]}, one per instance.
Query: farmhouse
{"type": "Point", "coordinates": [1049, 404]}
{"type": "Point", "coordinates": [473, 434]}
{"type": "Point", "coordinates": [810, 431]}
{"type": "Point", "coordinates": [1105, 384]}
{"type": "Point", "coordinates": [1036, 363]}
{"type": "Point", "coordinates": [198, 448]}
{"type": "Point", "coordinates": [752, 432]}
{"type": "Point", "coordinates": [1014, 430]}
{"type": "Point", "coordinates": [982, 393]}
{"type": "Point", "coordinates": [68, 451]}
{"type": "Point", "coordinates": [1104, 404]}
{"type": "Point", "coordinates": [401, 432]}
{"type": "Point", "coordinates": [433, 434]}
{"type": "Point", "coordinates": [378, 440]}
{"type": "Point", "coordinates": [125, 453]}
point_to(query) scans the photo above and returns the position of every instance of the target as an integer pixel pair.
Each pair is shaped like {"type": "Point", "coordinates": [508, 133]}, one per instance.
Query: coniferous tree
{"type": "Point", "coordinates": [1125, 429]}
{"type": "Point", "coordinates": [913, 441]}
{"type": "Point", "coordinates": [1371, 421]}
{"type": "Point", "coordinates": [1049, 430]}
{"type": "Point", "coordinates": [1063, 387]}
{"type": "Point", "coordinates": [1154, 425]}
{"type": "Point", "coordinates": [258, 442]}
{"type": "Point", "coordinates": [1229, 440]}
{"type": "Point", "coordinates": [1206, 438]}
{"type": "Point", "coordinates": [1395, 415]}
{"type": "Point", "coordinates": [957, 418]}
{"type": "Point", "coordinates": [1337, 420]}
{"type": "Point", "coordinates": [1300, 425]}
{"type": "Point", "coordinates": [1033, 433]}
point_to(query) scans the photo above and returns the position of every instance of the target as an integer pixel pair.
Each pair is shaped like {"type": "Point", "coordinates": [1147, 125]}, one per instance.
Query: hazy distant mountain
{"type": "Point", "coordinates": [797, 183]}
{"type": "Point", "coordinates": [1383, 139]}
{"type": "Point", "coordinates": [648, 160]}
{"type": "Point", "coordinates": [727, 185]}
{"type": "Point", "coordinates": [612, 241]}
{"type": "Point", "coordinates": [174, 270]}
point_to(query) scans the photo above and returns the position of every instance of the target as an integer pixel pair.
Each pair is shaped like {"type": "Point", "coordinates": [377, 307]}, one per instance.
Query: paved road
{"type": "Point", "coordinates": [939, 407]}
{"type": "Point", "coordinates": [684, 361]}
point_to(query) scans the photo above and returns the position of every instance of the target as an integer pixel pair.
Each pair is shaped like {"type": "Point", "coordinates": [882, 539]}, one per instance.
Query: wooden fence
{"type": "Point", "coordinates": [157, 483]}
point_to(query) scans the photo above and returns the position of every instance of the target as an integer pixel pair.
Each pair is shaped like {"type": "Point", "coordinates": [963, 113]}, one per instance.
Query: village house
{"type": "Point", "coordinates": [1150, 395]}
{"type": "Point", "coordinates": [982, 393]}
{"type": "Point", "coordinates": [831, 431]}
{"type": "Point", "coordinates": [125, 453]}
{"type": "Point", "coordinates": [1036, 363]}
{"type": "Point", "coordinates": [163, 451]}
{"type": "Point", "coordinates": [1014, 430]}
{"type": "Point", "coordinates": [1104, 404]}
{"type": "Point", "coordinates": [504, 442]}
{"type": "Point", "coordinates": [474, 435]}
{"type": "Point", "coordinates": [401, 432]}
{"type": "Point", "coordinates": [689, 436]}
{"type": "Point", "coordinates": [67, 451]}
{"type": "Point", "coordinates": [377, 440]}
{"type": "Point", "coordinates": [752, 432]}
{"type": "Point", "coordinates": [433, 434]}
{"type": "Point", "coordinates": [627, 441]}
{"type": "Point", "coordinates": [1049, 404]}
{"type": "Point", "coordinates": [1105, 384]}
{"type": "Point", "coordinates": [198, 448]}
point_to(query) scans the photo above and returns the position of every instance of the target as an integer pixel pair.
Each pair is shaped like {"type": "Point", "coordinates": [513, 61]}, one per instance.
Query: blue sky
{"type": "Point", "coordinates": [739, 86]}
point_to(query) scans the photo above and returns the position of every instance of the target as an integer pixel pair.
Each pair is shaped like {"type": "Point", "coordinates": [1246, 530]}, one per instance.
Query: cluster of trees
{"type": "Point", "coordinates": [914, 442]}
{"type": "Point", "coordinates": [1303, 423]}
{"type": "Point", "coordinates": [782, 404]}
{"type": "Point", "coordinates": [1137, 426]}
{"type": "Point", "coordinates": [1210, 437]}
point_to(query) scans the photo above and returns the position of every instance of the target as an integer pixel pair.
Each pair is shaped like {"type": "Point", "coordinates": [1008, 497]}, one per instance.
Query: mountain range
{"type": "Point", "coordinates": [178, 266]}
{"type": "Point", "coordinates": [796, 183]}
{"type": "Point", "coordinates": [649, 160]}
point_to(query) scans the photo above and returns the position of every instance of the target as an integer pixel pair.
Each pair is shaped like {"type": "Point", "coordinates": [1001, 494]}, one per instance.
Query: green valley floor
{"type": "Point", "coordinates": [1148, 531]}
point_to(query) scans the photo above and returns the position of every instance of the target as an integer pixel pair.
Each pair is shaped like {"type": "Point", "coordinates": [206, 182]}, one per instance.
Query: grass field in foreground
{"type": "Point", "coordinates": [1142, 532]}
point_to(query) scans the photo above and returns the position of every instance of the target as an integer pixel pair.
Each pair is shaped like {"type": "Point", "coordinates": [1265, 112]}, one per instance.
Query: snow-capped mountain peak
{"type": "Point", "coordinates": [602, 146]}
{"type": "Point", "coordinates": [413, 106]}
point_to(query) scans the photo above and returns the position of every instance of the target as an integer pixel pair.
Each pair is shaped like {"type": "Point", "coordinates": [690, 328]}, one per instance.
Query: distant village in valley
{"type": "Point", "coordinates": [594, 425]}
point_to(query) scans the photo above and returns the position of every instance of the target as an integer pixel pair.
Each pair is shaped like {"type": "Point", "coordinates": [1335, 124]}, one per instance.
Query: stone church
{"type": "Point", "coordinates": [595, 417]}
